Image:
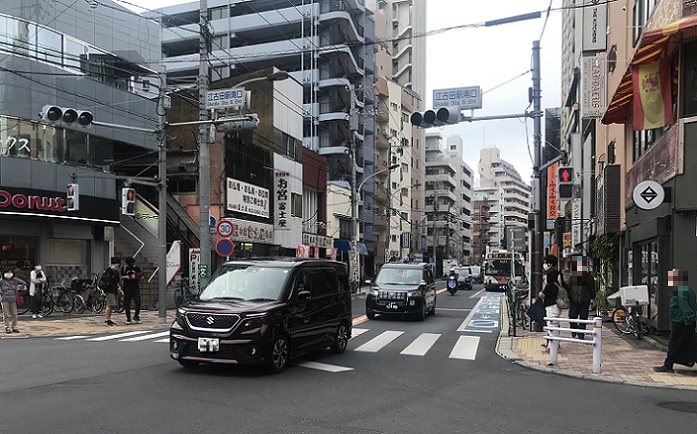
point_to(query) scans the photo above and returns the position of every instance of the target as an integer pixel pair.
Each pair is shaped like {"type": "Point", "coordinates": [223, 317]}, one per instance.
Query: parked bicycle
{"type": "Point", "coordinates": [521, 307]}
{"type": "Point", "coordinates": [183, 294]}
{"type": "Point", "coordinates": [627, 320]}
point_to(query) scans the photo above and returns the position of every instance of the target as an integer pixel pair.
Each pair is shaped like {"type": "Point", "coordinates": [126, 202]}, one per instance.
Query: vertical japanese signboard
{"type": "Point", "coordinates": [552, 213]}
{"type": "Point", "coordinates": [282, 212]}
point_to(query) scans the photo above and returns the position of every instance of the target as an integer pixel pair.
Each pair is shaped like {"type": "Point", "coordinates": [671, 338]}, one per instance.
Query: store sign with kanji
{"type": "Point", "coordinates": [282, 212]}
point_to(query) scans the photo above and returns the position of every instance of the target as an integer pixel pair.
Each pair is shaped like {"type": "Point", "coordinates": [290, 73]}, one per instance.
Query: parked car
{"type": "Point", "coordinates": [402, 289]}
{"type": "Point", "coordinates": [265, 312]}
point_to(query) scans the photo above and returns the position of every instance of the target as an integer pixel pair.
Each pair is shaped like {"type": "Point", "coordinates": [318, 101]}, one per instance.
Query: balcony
{"type": "Point", "coordinates": [381, 141]}
{"type": "Point", "coordinates": [382, 114]}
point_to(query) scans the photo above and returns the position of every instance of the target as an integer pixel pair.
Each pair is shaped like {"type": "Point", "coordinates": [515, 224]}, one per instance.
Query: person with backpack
{"type": "Point", "coordinates": [9, 297]}
{"type": "Point", "coordinates": [130, 278]}
{"type": "Point", "coordinates": [109, 283]}
{"type": "Point", "coordinates": [549, 292]}
{"type": "Point", "coordinates": [581, 293]}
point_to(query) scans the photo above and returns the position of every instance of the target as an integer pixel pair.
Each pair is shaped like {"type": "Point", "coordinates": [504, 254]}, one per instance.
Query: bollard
{"type": "Point", "coordinates": [597, 344]}
{"type": "Point", "coordinates": [553, 347]}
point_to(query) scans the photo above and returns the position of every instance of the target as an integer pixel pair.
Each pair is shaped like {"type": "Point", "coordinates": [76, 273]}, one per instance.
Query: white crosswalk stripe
{"type": "Point", "coordinates": [465, 348]}
{"type": "Point", "coordinates": [421, 345]}
{"type": "Point", "coordinates": [71, 338]}
{"type": "Point", "coordinates": [355, 332]}
{"type": "Point", "coordinates": [146, 337]}
{"type": "Point", "coordinates": [381, 341]}
{"type": "Point", "coordinates": [117, 336]}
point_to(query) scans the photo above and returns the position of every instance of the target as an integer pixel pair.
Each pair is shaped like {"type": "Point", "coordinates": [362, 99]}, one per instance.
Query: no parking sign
{"type": "Point", "coordinates": [224, 247]}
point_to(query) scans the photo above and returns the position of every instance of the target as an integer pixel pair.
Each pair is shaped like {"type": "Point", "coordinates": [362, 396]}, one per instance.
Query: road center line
{"type": "Point", "coordinates": [477, 294]}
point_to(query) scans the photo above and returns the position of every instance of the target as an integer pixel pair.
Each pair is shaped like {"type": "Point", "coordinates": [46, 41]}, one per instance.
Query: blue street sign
{"type": "Point", "coordinates": [212, 222]}
{"type": "Point", "coordinates": [224, 247]}
{"type": "Point", "coordinates": [431, 260]}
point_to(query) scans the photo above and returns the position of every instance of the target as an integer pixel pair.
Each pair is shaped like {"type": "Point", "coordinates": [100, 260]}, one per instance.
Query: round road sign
{"type": "Point", "coordinates": [648, 195]}
{"type": "Point", "coordinates": [224, 247]}
{"type": "Point", "coordinates": [225, 228]}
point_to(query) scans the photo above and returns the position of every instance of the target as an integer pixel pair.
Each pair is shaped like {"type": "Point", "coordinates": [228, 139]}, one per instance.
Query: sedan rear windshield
{"type": "Point", "coordinates": [399, 276]}
{"type": "Point", "coordinates": [247, 283]}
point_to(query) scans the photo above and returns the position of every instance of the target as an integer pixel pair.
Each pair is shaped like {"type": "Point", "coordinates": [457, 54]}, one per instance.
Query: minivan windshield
{"type": "Point", "coordinates": [247, 283]}
{"type": "Point", "coordinates": [399, 276]}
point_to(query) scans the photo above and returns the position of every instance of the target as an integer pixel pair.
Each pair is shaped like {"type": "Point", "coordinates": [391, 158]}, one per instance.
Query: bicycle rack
{"type": "Point", "coordinates": [554, 338]}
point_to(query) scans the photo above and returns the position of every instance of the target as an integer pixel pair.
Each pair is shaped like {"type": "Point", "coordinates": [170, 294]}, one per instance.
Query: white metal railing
{"type": "Point", "coordinates": [554, 338]}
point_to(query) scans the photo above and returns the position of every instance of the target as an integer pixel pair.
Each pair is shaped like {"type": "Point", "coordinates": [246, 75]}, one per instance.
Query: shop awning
{"type": "Point", "coordinates": [654, 43]}
{"type": "Point", "coordinates": [362, 249]}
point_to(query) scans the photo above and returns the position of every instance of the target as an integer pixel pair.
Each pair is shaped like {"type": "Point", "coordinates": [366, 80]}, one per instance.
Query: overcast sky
{"type": "Point", "coordinates": [487, 57]}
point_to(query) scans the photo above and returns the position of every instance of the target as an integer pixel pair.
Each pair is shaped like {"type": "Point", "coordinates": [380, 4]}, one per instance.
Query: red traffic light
{"type": "Point", "coordinates": [130, 195]}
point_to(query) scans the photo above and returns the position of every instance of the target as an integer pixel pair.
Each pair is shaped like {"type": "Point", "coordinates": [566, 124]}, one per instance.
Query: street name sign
{"type": "Point", "coordinates": [224, 98]}
{"type": "Point", "coordinates": [465, 98]}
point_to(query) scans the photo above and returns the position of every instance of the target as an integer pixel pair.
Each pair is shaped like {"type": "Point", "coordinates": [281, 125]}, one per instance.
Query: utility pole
{"type": "Point", "coordinates": [162, 198]}
{"type": "Point", "coordinates": [435, 227]}
{"type": "Point", "coordinates": [537, 238]}
{"type": "Point", "coordinates": [204, 159]}
{"type": "Point", "coordinates": [353, 253]}
{"type": "Point", "coordinates": [447, 235]}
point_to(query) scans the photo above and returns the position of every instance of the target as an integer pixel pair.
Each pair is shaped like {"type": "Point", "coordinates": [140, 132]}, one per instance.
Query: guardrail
{"type": "Point", "coordinates": [554, 338]}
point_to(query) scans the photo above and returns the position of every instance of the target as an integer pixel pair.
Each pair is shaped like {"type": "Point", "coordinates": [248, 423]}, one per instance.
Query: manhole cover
{"type": "Point", "coordinates": [686, 407]}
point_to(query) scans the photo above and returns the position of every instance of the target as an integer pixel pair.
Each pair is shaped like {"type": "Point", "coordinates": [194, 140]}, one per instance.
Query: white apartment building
{"type": "Point", "coordinates": [465, 179]}
{"type": "Point", "coordinates": [493, 199]}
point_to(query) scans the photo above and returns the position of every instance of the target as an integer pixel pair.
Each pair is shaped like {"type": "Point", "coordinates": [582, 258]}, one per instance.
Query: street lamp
{"type": "Point", "coordinates": [204, 175]}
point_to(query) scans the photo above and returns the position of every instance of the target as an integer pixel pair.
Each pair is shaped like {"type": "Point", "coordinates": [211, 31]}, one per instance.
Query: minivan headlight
{"type": "Point", "coordinates": [414, 294]}
{"type": "Point", "coordinates": [374, 292]}
{"type": "Point", "coordinates": [253, 322]}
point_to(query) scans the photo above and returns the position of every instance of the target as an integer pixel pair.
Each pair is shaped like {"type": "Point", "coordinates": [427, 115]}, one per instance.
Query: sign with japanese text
{"type": "Point", "coordinates": [247, 198]}
{"type": "Point", "coordinates": [224, 98]}
{"type": "Point", "coordinates": [251, 232]}
{"type": "Point", "coordinates": [594, 25]}
{"type": "Point", "coordinates": [318, 241]}
{"type": "Point", "coordinates": [194, 264]}
{"type": "Point", "coordinates": [552, 211]}
{"type": "Point", "coordinates": [282, 193]}
{"type": "Point", "coordinates": [463, 97]}
{"type": "Point", "coordinates": [594, 80]}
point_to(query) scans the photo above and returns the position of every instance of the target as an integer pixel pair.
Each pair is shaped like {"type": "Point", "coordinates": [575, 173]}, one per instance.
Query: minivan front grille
{"type": "Point", "coordinates": [392, 295]}
{"type": "Point", "coordinates": [212, 321]}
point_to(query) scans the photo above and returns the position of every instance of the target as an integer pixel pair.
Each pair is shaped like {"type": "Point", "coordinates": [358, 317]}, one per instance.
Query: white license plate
{"type": "Point", "coordinates": [208, 345]}
{"type": "Point", "coordinates": [392, 305]}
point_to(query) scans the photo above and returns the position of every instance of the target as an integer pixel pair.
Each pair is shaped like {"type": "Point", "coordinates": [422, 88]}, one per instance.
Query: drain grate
{"type": "Point", "coordinates": [685, 407]}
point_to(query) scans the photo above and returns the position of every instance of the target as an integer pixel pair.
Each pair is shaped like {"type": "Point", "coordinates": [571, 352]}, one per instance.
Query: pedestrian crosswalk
{"type": "Point", "coordinates": [464, 349]}
{"type": "Point", "coordinates": [363, 340]}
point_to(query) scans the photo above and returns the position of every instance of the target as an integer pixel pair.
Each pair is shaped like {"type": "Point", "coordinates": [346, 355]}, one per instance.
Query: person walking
{"type": "Point", "coordinates": [130, 281]}
{"type": "Point", "coordinates": [109, 283]}
{"type": "Point", "coordinates": [549, 292]}
{"type": "Point", "coordinates": [682, 346]}
{"type": "Point", "coordinates": [37, 279]}
{"type": "Point", "coordinates": [581, 294]}
{"type": "Point", "coordinates": [8, 297]}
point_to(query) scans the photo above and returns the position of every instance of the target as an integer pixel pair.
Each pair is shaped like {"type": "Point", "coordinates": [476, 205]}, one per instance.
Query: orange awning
{"type": "Point", "coordinates": [651, 47]}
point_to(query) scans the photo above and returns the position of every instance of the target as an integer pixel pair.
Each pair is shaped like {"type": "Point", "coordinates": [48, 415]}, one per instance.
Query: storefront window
{"type": "Point", "coordinates": [649, 276]}
{"type": "Point", "coordinates": [18, 254]}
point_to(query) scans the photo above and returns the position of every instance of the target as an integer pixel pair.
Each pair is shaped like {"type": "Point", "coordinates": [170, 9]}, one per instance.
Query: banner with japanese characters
{"type": "Point", "coordinates": [247, 198]}
{"type": "Point", "coordinates": [282, 196]}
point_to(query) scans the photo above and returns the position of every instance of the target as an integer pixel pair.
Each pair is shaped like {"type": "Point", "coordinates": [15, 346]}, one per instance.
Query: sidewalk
{"type": "Point", "coordinates": [59, 324]}
{"type": "Point", "coordinates": [624, 358]}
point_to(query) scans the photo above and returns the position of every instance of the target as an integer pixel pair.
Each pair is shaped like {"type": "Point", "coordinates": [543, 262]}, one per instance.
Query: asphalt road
{"type": "Point", "coordinates": [117, 386]}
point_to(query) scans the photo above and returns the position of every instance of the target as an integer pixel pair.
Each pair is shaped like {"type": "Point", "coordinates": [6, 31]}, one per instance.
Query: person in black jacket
{"type": "Point", "coordinates": [549, 292]}
{"type": "Point", "coordinates": [109, 283]}
{"type": "Point", "coordinates": [130, 278]}
{"type": "Point", "coordinates": [581, 293]}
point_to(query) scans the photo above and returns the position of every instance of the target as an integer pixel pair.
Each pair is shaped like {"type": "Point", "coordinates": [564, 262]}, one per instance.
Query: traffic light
{"type": "Point", "coordinates": [73, 197]}
{"type": "Point", "coordinates": [237, 123]}
{"type": "Point", "coordinates": [436, 118]}
{"type": "Point", "coordinates": [67, 117]}
{"type": "Point", "coordinates": [565, 183]}
{"type": "Point", "coordinates": [128, 201]}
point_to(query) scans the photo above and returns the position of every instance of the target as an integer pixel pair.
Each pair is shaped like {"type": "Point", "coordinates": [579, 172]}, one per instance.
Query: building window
{"type": "Point", "coordinates": [296, 205]}
{"type": "Point", "coordinates": [642, 140]}
{"type": "Point", "coordinates": [405, 192]}
{"type": "Point", "coordinates": [345, 229]}
{"type": "Point", "coordinates": [689, 81]}
{"type": "Point", "coordinates": [405, 167]}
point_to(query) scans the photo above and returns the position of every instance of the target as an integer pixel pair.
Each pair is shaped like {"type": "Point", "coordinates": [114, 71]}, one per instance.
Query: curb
{"type": "Point", "coordinates": [504, 348]}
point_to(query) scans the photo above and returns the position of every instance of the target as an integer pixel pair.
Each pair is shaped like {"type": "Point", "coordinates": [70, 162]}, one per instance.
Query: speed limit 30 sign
{"type": "Point", "coordinates": [225, 228]}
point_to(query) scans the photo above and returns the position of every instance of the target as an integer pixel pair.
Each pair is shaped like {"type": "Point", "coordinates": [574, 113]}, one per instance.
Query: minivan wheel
{"type": "Point", "coordinates": [188, 364]}
{"type": "Point", "coordinates": [422, 313]}
{"type": "Point", "coordinates": [280, 354]}
{"type": "Point", "coordinates": [370, 315]}
{"type": "Point", "coordinates": [433, 308]}
{"type": "Point", "coordinates": [341, 339]}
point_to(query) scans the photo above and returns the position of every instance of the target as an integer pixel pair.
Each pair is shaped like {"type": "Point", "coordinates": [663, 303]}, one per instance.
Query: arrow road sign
{"type": "Point", "coordinates": [648, 195]}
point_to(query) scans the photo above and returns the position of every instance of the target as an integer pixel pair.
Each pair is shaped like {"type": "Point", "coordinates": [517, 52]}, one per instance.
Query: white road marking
{"type": "Point", "coordinates": [465, 348]}
{"type": "Point", "coordinates": [464, 323]}
{"type": "Point", "coordinates": [118, 336]}
{"type": "Point", "coordinates": [70, 338]}
{"type": "Point", "coordinates": [357, 332]}
{"type": "Point", "coordinates": [381, 341]}
{"type": "Point", "coordinates": [455, 309]}
{"type": "Point", "coordinates": [146, 337]}
{"type": "Point", "coordinates": [163, 340]}
{"type": "Point", "coordinates": [323, 366]}
{"type": "Point", "coordinates": [421, 345]}
{"type": "Point", "coordinates": [477, 294]}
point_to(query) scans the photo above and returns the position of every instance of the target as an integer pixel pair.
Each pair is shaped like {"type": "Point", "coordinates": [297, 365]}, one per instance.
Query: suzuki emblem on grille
{"type": "Point", "coordinates": [210, 320]}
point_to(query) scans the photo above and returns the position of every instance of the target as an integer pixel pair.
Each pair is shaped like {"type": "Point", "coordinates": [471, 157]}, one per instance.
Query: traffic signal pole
{"type": "Point", "coordinates": [204, 158]}
{"type": "Point", "coordinates": [162, 199]}
{"type": "Point", "coordinates": [538, 232]}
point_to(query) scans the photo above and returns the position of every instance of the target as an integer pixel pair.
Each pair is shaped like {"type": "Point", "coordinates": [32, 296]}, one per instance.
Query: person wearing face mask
{"type": "Point", "coordinates": [682, 346]}
{"type": "Point", "coordinates": [582, 293]}
{"type": "Point", "coordinates": [37, 279]}
{"type": "Point", "coordinates": [549, 292]}
{"type": "Point", "coordinates": [8, 297]}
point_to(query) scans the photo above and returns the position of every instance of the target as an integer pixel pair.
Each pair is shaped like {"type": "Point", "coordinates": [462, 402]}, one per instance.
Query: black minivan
{"type": "Point", "coordinates": [265, 311]}
{"type": "Point", "coordinates": [407, 289]}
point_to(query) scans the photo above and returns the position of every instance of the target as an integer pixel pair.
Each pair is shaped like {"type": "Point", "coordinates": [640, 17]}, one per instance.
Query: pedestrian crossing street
{"type": "Point", "coordinates": [363, 341]}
